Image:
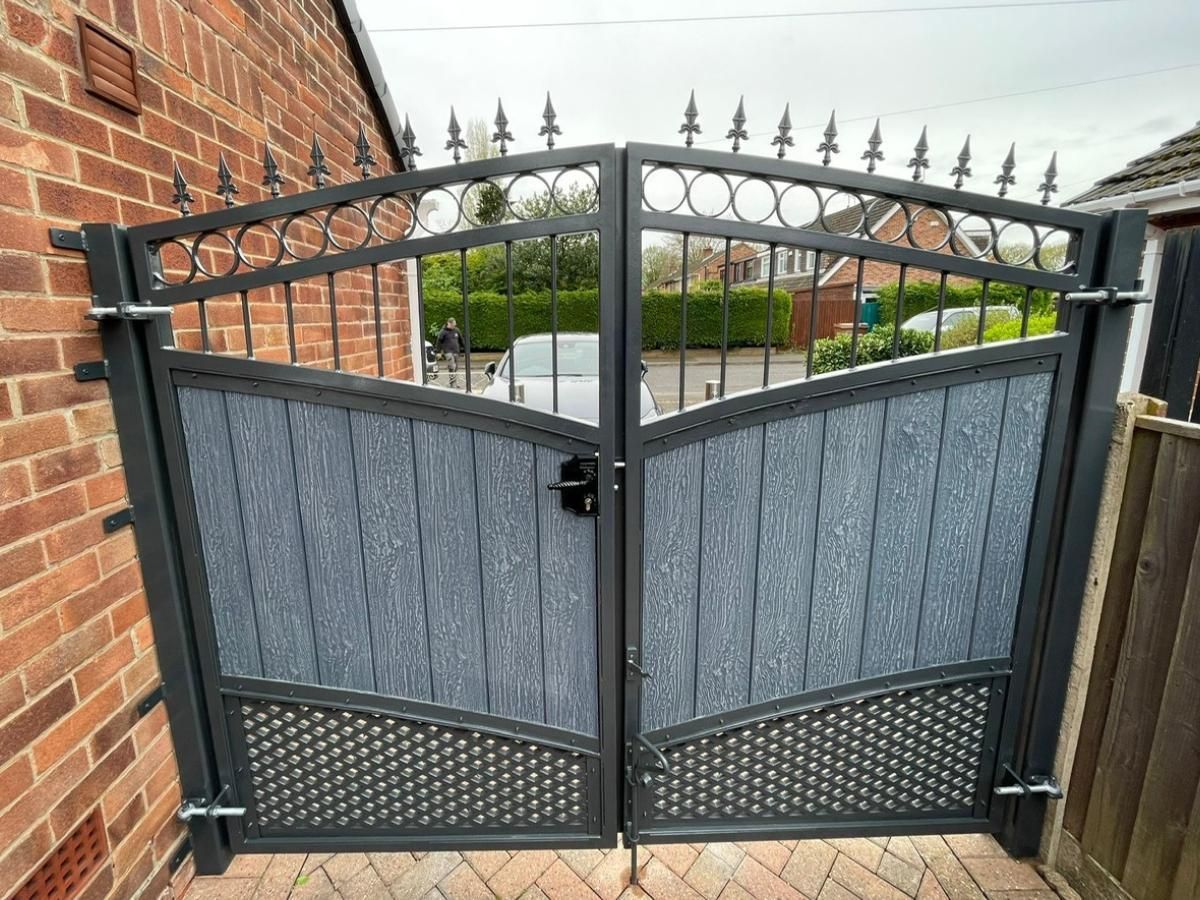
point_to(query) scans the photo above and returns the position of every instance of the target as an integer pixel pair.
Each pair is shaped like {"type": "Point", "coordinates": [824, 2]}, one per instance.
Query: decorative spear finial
{"type": "Point", "coordinates": [409, 151]}
{"type": "Point", "coordinates": [784, 139]}
{"type": "Point", "coordinates": [962, 171]}
{"type": "Point", "coordinates": [1006, 178]}
{"type": "Point", "coordinates": [271, 176]}
{"type": "Point", "coordinates": [1048, 186]}
{"type": "Point", "coordinates": [738, 132]}
{"type": "Point", "coordinates": [362, 153]}
{"type": "Point", "coordinates": [690, 126]}
{"type": "Point", "coordinates": [549, 130]}
{"type": "Point", "coordinates": [829, 145]}
{"type": "Point", "coordinates": [225, 186]}
{"type": "Point", "coordinates": [181, 197]}
{"type": "Point", "coordinates": [318, 170]}
{"type": "Point", "coordinates": [456, 143]}
{"type": "Point", "coordinates": [873, 154]}
{"type": "Point", "coordinates": [501, 135]}
{"type": "Point", "coordinates": [919, 163]}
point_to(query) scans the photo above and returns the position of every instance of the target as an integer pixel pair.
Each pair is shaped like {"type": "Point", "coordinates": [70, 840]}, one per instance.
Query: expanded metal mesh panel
{"type": "Point", "coordinates": [323, 769]}
{"type": "Point", "coordinates": [906, 752]}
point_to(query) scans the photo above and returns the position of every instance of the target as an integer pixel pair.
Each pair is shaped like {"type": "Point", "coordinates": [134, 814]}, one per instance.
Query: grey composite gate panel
{"type": "Point", "coordinates": [377, 553]}
{"type": "Point", "coordinates": [901, 524]}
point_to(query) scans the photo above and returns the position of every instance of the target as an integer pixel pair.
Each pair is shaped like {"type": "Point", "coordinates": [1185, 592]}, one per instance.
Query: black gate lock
{"type": "Point", "coordinates": [578, 485]}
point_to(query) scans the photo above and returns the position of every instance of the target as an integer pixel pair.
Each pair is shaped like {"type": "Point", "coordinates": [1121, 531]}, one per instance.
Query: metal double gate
{"type": "Point", "coordinates": [835, 604]}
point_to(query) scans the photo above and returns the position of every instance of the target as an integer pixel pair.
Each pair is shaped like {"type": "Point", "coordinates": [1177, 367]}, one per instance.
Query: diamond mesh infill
{"type": "Point", "coordinates": [319, 769]}
{"type": "Point", "coordinates": [912, 752]}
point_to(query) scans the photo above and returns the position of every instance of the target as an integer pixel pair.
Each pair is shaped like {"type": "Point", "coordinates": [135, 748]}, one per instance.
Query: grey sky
{"type": "Point", "coordinates": [631, 82]}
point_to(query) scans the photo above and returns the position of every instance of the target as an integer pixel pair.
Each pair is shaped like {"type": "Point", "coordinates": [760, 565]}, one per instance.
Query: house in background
{"type": "Point", "coordinates": [710, 267]}
{"type": "Point", "coordinates": [1163, 355]}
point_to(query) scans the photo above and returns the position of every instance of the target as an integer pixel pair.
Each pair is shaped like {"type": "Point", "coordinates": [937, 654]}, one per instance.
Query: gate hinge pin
{"type": "Point", "coordinates": [195, 807]}
{"type": "Point", "coordinates": [1108, 296]}
{"type": "Point", "coordinates": [1035, 784]}
{"type": "Point", "coordinates": [128, 311]}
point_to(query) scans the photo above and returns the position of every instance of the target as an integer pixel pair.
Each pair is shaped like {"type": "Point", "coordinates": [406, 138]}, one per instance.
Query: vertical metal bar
{"type": "Point", "coordinates": [419, 263]}
{"type": "Point", "coordinates": [767, 339]}
{"type": "Point", "coordinates": [983, 299]}
{"type": "Point", "coordinates": [899, 312]}
{"type": "Point", "coordinates": [858, 300]}
{"type": "Point", "coordinates": [554, 323]}
{"type": "Point", "coordinates": [941, 309]}
{"type": "Point", "coordinates": [512, 337]}
{"type": "Point", "coordinates": [291, 320]}
{"type": "Point", "coordinates": [245, 297]}
{"type": "Point", "coordinates": [378, 319]}
{"type": "Point", "coordinates": [203, 313]}
{"type": "Point", "coordinates": [683, 301]}
{"type": "Point", "coordinates": [466, 309]}
{"type": "Point", "coordinates": [1025, 312]}
{"type": "Point", "coordinates": [812, 315]}
{"type": "Point", "coordinates": [725, 319]}
{"type": "Point", "coordinates": [333, 324]}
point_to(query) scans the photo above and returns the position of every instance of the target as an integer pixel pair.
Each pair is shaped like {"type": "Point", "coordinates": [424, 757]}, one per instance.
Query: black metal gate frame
{"type": "Point", "coordinates": [144, 367]}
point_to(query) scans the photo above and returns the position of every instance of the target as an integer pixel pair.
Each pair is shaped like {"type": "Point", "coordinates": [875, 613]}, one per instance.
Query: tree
{"type": "Point", "coordinates": [485, 201]}
{"type": "Point", "coordinates": [658, 262]}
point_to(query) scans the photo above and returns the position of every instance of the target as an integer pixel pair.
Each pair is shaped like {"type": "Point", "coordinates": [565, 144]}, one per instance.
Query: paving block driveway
{"type": "Point", "coordinates": [964, 867]}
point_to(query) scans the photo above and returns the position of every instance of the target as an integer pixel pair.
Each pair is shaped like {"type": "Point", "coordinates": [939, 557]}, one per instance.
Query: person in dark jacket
{"type": "Point", "coordinates": [450, 344]}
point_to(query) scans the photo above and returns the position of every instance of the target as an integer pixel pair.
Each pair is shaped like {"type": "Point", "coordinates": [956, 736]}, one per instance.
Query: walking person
{"type": "Point", "coordinates": [450, 344]}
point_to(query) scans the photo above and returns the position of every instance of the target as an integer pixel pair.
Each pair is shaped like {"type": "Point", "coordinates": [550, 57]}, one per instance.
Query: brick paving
{"type": "Point", "coordinates": [961, 867]}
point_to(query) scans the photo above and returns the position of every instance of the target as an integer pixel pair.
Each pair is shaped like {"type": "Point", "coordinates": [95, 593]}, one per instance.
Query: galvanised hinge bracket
{"type": "Point", "coordinates": [1108, 296]}
{"type": "Point", "coordinates": [1036, 784]}
{"type": "Point", "coordinates": [134, 311]}
{"type": "Point", "coordinates": [198, 807]}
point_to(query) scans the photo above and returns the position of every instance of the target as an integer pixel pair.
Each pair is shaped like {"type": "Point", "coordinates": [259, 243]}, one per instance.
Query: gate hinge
{"type": "Point", "coordinates": [67, 240]}
{"type": "Point", "coordinates": [119, 519]}
{"type": "Point", "coordinates": [91, 371]}
{"type": "Point", "coordinates": [1108, 296]}
{"type": "Point", "coordinates": [633, 668]}
{"type": "Point", "coordinates": [1035, 784]}
{"type": "Point", "coordinates": [126, 310]}
{"type": "Point", "coordinates": [197, 807]}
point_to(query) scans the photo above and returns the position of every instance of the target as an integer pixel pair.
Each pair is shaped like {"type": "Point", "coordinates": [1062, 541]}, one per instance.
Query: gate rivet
{"type": "Point", "coordinates": [194, 376]}
{"type": "Point", "coordinates": [256, 384]}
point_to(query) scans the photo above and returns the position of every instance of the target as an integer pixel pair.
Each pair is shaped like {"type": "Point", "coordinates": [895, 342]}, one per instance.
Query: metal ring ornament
{"type": "Point", "coordinates": [508, 202]}
{"type": "Point", "coordinates": [221, 235]}
{"type": "Point", "coordinates": [287, 244]}
{"type": "Point", "coordinates": [915, 220]}
{"type": "Point", "coordinates": [1033, 245]}
{"type": "Point", "coordinates": [904, 210]}
{"type": "Point", "coordinates": [860, 229]}
{"type": "Point", "coordinates": [1042, 240]}
{"type": "Point", "coordinates": [374, 211]}
{"type": "Point", "coordinates": [683, 188]}
{"type": "Point", "coordinates": [557, 202]}
{"type": "Point", "coordinates": [244, 257]}
{"type": "Point", "coordinates": [188, 254]}
{"type": "Point", "coordinates": [773, 211]}
{"type": "Point", "coordinates": [728, 189]}
{"type": "Point", "coordinates": [464, 205]}
{"type": "Point", "coordinates": [801, 186]}
{"type": "Point", "coordinates": [329, 218]}
{"type": "Point", "coordinates": [974, 251]}
{"type": "Point", "coordinates": [458, 213]}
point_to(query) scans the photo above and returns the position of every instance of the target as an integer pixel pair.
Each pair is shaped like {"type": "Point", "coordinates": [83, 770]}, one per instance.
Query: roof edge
{"type": "Point", "coordinates": [367, 62]}
{"type": "Point", "coordinates": [1126, 199]}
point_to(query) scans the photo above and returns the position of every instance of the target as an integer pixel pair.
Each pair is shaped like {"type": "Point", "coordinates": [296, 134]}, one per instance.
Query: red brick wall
{"type": "Point", "coordinates": [76, 646]}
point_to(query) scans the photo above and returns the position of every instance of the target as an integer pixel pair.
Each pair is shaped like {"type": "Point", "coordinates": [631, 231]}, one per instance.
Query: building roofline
{"type": "Point", "coordinates": [362, 53]}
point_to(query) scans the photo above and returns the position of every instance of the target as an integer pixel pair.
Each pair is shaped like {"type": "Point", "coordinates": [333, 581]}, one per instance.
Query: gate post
{"type": "Point", "coordinates": [140, 436]}
{"type": "Point", "coordinates": [1104, 333]}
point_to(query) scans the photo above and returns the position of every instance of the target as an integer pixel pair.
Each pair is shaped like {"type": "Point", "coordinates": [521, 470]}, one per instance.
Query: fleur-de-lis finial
{"type": "Point", "coordinates": [549, 130]}
{"type": "Point", "coordinates": [501, 135]}
{"type": "Point", "coordinates": [1006, 179]}
{"type": "Point", "coordinates": [1048, 186]}
{"type": "Point", "coordinates": [784, 139]}
{"type": "Point", "coordinates": [271, 177]}
{"type": "Point", "coordinates": [738, 132]}
{"type": "Point", "coordinates": [962, 171]}
{"type": "Point", "coordinates": [362, 153]}
{"type": "Point", "coordinates": [181, 198]}
{"type": "Point", "coordinates": [409, 151]}
{"type": "Point", "coordinates": [829, 146]}
{"type": "Point", "coordinates": [456, 143]}
{"type": "Point", "coordinates": [690, 127]}
{"type": "Point", "coordinates": [919, 163]}
{"type": "Point", "coordinates": [318, 170]}
{"type": "Point", "coordinates": [225, 186]}
{"type": "Point", "coordinates": [873, 154]}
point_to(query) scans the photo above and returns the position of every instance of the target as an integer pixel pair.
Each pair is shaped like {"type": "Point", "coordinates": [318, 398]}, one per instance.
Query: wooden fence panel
{"type": "Point", "coordinates": [833, 308]}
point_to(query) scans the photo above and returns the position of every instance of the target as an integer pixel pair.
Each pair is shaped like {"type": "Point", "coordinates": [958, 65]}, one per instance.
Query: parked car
{"type": "Point", "coordinates": [927, 321]}
{"type": "Point", "coordinates": [578, 375]}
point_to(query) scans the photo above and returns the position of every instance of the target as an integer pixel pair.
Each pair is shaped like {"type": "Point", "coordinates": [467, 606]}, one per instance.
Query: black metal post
{"type": "Point", "coordinates": [125, 347]}
{"type": "Point", "coordinates": [1106, 329]}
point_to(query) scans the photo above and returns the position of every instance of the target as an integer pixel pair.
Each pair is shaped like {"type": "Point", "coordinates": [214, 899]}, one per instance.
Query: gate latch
{"type": "Point", "coordinates": [1037, 784]}
{"type": "Point", "coordinates": [640, 775]}
{"type": "Point", "coordinates": [128, 311]}
{"type": "Point", "coordinates": [196, 807]}
{"type": "Point", "coordinates": [1108, 296]}
{"type": "Point", "coordinates": [577, 483]}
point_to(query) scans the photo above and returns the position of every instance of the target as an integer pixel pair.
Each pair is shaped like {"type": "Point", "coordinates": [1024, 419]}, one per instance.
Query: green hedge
{"type": "Point", "coordinates": [833, 354]}
{"type": "Point", "coordinates": [579, 311]}
{"type": "Point", "coordinates": [920, 296]}
{"type": "Point", "coordinates": [1010, 329]}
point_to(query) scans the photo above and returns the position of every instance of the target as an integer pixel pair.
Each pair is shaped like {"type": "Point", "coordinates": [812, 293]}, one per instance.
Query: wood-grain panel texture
{"type": "Point", "coordinates": [413, 559]}
{"type": "Point", "coordinates": [821, 549]}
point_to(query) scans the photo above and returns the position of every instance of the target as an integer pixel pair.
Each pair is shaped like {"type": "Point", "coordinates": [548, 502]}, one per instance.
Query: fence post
{"type": "Point", "coordinates": [138, 430]}
{"type": "Point", "coordinates": [1105, 332]}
